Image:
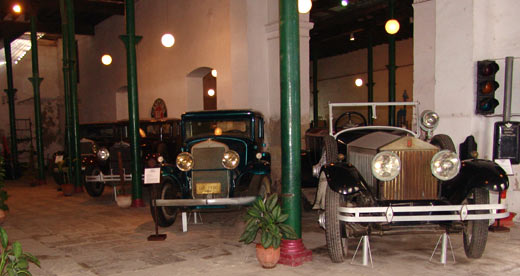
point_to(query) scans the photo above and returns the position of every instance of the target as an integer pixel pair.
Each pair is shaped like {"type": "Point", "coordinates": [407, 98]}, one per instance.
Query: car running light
{"type": "Point", "coordinates": [386, 165]}
{"type": "Point", "coordinates": [230, 159]}
{"type": "Point", "coordinates": [184, 161]}
{"type": "Point", "coordinates": [445, 165]}
{"type": "Point", "coordinates": [103, 154]}
{"type": "Point", "coordinates": [429, 120]}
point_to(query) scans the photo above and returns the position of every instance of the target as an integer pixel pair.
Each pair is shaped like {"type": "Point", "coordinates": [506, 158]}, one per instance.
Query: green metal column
{"type": "Point", "coordinates": [370, 81]}
{"type": "Point", "coordinates": [130, 40]}
{"type": "Point", "coordinates": [66, 90]}
{"type": "Point", "coordinates": [290, 111]}
{"type": "Point", "coordinates": [76, 161]}
{"type": "Point", "coordinates": [391, 68]}
{"type": "Point", "coordinates": [36, 80]}
{"type": "Point", "coordinates": [315, 91]}
{"type": "Point", "coordinates": [12, 117]}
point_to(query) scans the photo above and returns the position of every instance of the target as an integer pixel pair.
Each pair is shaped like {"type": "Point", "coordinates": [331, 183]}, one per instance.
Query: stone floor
{"type": "Point", "coordinates": [80, 235]}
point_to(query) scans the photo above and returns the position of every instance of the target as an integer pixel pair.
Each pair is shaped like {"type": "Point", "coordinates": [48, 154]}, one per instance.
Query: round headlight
{"type": "Point", "coordinates": [230, 159]}
{"type": "Point", "coordinates": [429, 119]}
{"type": "Point", "coordinates": [160, 159]}
{"type": "Point", "coordinates": [103, 153]}
{"type": "Point", "coordinates": [445, 165]}
{"type": "Point", "coordinates": [258, 155]}
{"type": "Point", "coordinates": [386, 165]}
{"type": "Point", "coordinates": [184, 161]}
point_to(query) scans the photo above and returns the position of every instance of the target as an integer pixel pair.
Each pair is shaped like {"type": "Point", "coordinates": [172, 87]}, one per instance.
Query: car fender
{"type": "Point", "coordinates": [175, 174]}
{"type": "Point", "coordinates": [475, 173]}
{"type": "Point", "coordinates": [342, 178]}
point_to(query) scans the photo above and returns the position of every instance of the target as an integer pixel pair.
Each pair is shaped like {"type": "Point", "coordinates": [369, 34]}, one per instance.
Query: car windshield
{"type": "Point", "coordinates": [216, 127]}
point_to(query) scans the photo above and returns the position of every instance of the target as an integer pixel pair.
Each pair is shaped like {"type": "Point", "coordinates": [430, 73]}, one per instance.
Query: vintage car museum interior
{"type": "Point", "coordinates": [225, 137]}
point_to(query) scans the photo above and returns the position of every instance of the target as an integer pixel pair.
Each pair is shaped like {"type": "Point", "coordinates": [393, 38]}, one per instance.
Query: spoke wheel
{"type": "Point", "coordinates": [476, 231]}
{"type": "Point", "coordinates": [94, 189]}
{"type": "Point", "coordinates": [166, 215]}
{"type": "Point", "coordinates": [337, 243]}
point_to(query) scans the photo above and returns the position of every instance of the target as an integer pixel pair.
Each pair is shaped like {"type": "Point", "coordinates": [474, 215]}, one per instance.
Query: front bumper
{"type": "Point", "coordinates": [108, 178]}
{"type": "Point", "coordinates": [206, 202]}
{"type": "Point", "coordinates": [422, 213]}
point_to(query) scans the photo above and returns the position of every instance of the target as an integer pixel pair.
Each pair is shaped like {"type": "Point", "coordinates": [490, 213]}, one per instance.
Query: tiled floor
{"type": "Point", "coordinates": [80, 235]}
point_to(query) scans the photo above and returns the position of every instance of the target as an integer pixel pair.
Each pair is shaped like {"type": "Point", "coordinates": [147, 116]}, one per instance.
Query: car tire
{"type": "Point", "coordinates": [94, 189]}
{"type": "Point", "coordinates": [336, 242]}
{"type": "Point", "coordinates": [166, 215]}
{"type": "Point", "coordinates": [444, 142]}
{"type": "Point", "coordinates": [476, 231]}
{"type": "Point", "coordinates": [331, 149]}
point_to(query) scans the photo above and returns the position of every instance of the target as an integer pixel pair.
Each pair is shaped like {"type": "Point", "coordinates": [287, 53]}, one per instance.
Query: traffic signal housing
{"type": "Point", "coordinates": [486, 86]}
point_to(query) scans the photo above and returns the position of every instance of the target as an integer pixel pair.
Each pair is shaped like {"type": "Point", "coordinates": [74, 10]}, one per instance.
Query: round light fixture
{"type": "Point", "coordinates": [358, 82]}
{"type": "Point", "coordinates": [17, 8]}
{"type": "Point", "coordinates": [392, 26]}
{"type": "Point", "coordinates": [167, 40]}
{"type": "Point", "coordinates": [344, 3]}
{"type": "Point", "coordinates": [214, 73]}
{"type": "Point", "coordinates": [386, 165]}
{"type": "Point", "coordinates": [106, 59]}
{"type": "Point", "coordinates": [211, 92]}
{"type": "Point", "coordinates": [304, 6]}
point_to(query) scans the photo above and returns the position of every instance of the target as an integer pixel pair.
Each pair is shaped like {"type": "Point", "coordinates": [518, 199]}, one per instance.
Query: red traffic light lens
{"type": "Point", "coordinates": [489, 87]}
{"type": "Point", "coordinates": [488, 68]}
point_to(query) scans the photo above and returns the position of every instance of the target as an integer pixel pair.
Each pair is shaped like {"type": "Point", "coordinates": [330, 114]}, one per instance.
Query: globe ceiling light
{"type": "Point", "coordinates": [392, 26]}
{"type": "Point", "coordinates": [211, 92]}
{"type": "Point", "coordinates": [17, 8]}
{"type": "Point", "coordinates": [344, 3]}
{"type": "Point", "coordinates": [214, 73]}
{"type": "Point", "coordinates": [358, 82]}
{"type": "Point", "coordinates": [304, 6]}
{"type": "Point", "coordinates": [167, 40]}
{"type": "Point", "coordinates": [106, 59]}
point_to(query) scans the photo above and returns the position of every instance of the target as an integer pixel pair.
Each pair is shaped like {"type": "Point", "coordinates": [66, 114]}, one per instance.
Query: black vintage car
{"type": "Point", "coordinates": [105, 145]}
{"type": "Point", "coordinates": [384, 179]}
{"type": "Point", "coordinates": [222, 163]}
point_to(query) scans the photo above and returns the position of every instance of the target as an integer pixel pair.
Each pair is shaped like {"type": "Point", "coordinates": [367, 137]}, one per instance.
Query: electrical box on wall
{"type": "Point", "coordinates": [506, 142]}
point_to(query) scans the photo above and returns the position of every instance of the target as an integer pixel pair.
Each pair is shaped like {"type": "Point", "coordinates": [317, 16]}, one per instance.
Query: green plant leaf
{"type": "Point", "coordinates": [254, 213]}
{"type": "Point", "coordinates": [11, 272]}
{"type": "Point", "coordinates": [3, 237]}
{"type": "Point", "coordinates": [31, 258]}
{"type": "Point", "coordinates": [276, 242]}
{"type": "Point", "coordinates": [283, 217]}
{"type": "Point", "coordinates": [271, 202]}
{"type": "Point", "coordinates": [17, 249]}
{"type": "Point", "coordinates": [277, 211]}
{"type": "Point", "coordinates": [288, 231]}
{"type": "Point", "coordinates": [22, 264]}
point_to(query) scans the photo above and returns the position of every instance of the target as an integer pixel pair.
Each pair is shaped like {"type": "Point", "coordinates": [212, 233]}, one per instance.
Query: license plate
{"type": "Point", "coordinates": [208, 188]}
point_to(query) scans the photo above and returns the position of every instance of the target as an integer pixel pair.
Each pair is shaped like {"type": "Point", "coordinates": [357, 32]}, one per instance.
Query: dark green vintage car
{"type": "Point", "coordinates": [222, 163]}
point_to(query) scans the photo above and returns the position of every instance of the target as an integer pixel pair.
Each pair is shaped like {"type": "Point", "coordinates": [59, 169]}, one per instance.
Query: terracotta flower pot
{"type": "Point", "coordinates": [3, 215]}
{"type": "Point", "coordinates": [67, 188]}
{"type": "Point", "coordinates": [267, 257]}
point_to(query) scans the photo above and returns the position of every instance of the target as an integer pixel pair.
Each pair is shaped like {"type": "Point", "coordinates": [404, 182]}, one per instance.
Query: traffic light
{"type": "Point", "coordinates": [486, 86]}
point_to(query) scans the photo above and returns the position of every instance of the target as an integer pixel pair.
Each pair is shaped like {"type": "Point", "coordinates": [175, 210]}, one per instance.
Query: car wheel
{"type": "Point", "coordinates": [337, 243]}
{"type": "Point", "coordinates": [264, 189]}
{"type": "Point", "coordinates": [166, 215]}
{"type": "Point", "coordinates": [94, 189]}
{"type": "Point", "coordinates": [443, 141]}
{"type": "Point", "coordinates": [331, 149]}
{"type": "Point", "coordinates": [476, 231]}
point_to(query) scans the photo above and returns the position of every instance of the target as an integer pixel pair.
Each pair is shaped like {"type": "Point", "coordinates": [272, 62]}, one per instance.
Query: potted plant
{"type": "Point", "coordinates": [265, 216]}
{"type": "Point", "coordinates": [3, 193]}
{"type": "Point", "coordinates": [13, 261]}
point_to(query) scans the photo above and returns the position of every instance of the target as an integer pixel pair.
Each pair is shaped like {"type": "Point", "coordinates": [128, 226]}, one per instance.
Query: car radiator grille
{"type": "Point", "coordinates": [208, 172]}
{"type": "Point", "coordinates": [414, 182]}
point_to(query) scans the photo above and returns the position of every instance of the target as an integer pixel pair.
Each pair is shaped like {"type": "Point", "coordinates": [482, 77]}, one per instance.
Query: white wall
{"type": "Point", "coordinates": [466, 31]}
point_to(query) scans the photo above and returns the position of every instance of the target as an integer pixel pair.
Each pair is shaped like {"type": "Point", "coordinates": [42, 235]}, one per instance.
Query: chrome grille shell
{"type": "Point", "coordinates": [207, 157]}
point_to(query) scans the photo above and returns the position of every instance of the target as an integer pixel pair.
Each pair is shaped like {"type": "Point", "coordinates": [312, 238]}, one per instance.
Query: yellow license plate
{"type": "Point", "coordinates": [208, 188]}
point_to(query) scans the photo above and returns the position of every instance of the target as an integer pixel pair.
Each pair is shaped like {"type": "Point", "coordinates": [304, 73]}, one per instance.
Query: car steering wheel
{"type": "Point", "coordinates": [353, 119]}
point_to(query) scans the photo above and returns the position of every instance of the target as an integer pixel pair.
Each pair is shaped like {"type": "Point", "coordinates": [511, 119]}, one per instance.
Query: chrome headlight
{"type": "Point", "coordinates": [429, 120]}
{"type": "Point", "coordinates": [103, 153]}
{"type": "Point", "coordinates": [445, 165]}
{"type": "Point", "coordinates": [160, 159]}
{"type": "Point", "coordinates": [184, 161]}
{"type": "Point", "coordinates": [386, 165]}
{"type": "Point", "coordinates": [230, 159]}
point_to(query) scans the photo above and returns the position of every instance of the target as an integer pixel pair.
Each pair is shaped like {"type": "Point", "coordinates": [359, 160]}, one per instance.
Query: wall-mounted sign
{"type": "Point", "coordinates": [159, 109]}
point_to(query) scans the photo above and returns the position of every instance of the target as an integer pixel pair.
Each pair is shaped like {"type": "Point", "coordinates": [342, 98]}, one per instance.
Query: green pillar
{"type": "Point", "coordinates": [66, 90]}
{"type": "Point", "coordinates": [370, 81]}
{"type": "Point", "coordinates": [391, 69]}
{"type": "Point", "coordinates": [36, 80]}
{"type": "Point", "coordinates": [76, 157]}
{"type": "Point", "coordinates": [315, 91]}
{"type": "Point", "coordinates": [12, 117]}
{"type": "Point", "coordinates": [290, 111]}
{"type": "Point", "coordinates": [130, 40]}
